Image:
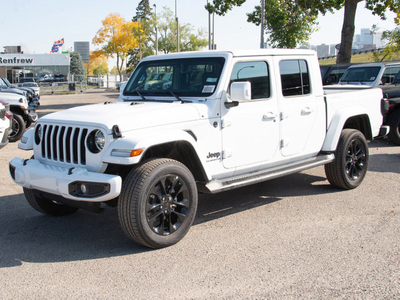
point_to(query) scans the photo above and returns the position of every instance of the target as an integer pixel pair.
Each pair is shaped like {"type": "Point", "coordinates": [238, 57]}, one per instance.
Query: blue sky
{"type": "Point", "coordinates": [36, 24]}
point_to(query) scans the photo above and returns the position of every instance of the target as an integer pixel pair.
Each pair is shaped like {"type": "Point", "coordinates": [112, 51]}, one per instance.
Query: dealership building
{"type": "Point", "coordinates": [14, 66]}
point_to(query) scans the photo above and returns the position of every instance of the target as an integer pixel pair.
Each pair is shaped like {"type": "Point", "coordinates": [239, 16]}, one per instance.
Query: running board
{"type": "Point", "coordinates": [218, 185]}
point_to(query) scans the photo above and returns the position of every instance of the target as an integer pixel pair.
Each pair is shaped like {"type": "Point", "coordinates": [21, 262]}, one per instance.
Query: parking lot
{"type": "Point", "coordinates": [294, 237]}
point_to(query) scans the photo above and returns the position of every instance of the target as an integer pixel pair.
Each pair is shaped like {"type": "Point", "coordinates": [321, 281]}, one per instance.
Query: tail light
{"type": "Point", "coordinates": [385, 105]}
{"type": "Point", "coordinates": [9, 114]}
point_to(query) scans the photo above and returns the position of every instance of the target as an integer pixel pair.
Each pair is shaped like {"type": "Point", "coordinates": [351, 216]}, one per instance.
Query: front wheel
{"type": "Point", "coordinates": [348, 169]}
{"type": "Point", "coordinates": [158, 203]}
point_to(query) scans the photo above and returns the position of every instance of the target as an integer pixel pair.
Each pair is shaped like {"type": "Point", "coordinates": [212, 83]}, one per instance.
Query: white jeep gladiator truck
{"type": "Point", "coordinates": [196, 122]}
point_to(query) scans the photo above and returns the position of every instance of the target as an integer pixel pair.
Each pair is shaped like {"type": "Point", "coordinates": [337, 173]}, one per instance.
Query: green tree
{"type": "Point", "coordinates": [189, 40]}
{"type": "Point", "coordinates": [313, 7]}
{"type": "Point", "coordinates": [101, 69]}
{"type": "Point", "coordinates": [144, 34]}
{"type": "Point", "coordinates": [286, 23]}
{"type": "Point", "coordinates": [76, 64]}
{"type": "Point", "coordinates": [392, 47]}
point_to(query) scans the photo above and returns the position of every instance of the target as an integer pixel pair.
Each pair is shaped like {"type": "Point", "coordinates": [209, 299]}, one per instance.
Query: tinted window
{"type": "Point", "coordinates": [295, 77]}
{"type": "Point", "coordinates": [184, 77]}
{"type": "Point", "coordinates": [257, 74]}
{"type": "Point", "coordinates": [361, 74]}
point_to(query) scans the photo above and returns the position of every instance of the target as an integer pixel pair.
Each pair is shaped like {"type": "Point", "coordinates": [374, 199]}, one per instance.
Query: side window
{"type": "Point", "coordinates": [256, 72]}
{"type": "Point", "coordinates": [295, 77]}
{"type": "Point", "coordinates": [389, 74]}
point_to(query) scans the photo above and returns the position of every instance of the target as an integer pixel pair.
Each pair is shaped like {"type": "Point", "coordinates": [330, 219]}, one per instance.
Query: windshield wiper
{"type": "Point", "coordinates": [136, 92]}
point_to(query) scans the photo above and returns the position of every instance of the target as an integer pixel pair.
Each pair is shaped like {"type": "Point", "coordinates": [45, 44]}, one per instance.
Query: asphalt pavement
{"type": "Point", "coordinates": [294, 237]}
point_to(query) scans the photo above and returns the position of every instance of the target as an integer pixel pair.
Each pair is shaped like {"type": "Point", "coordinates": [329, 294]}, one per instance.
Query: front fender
{"type": "Point", "coordinates": [337, 124]}
{"type": "Point", "coordinates": [142, 142]}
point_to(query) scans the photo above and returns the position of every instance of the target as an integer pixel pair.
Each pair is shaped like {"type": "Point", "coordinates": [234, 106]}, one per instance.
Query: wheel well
{"type": "Point", "coordinates": [16, 109]}
{"type": "Point", "coordinates": [180, 151]}
{"type": "Point", "coordinates": [360, 123]}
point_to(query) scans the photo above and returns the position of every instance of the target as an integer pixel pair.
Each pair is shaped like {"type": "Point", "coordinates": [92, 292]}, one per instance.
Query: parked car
{"type": "Point", "coordinates": [5, 123]}
{"type": "Point", "coordinates": [386, 76]}
{"type": "Point", "coordinates": [32, 85]}
{"type": "Point", "coordinates": [26, 79]}
{"type": "Point", "coordinates": [23, 114]}
{"type": "Point", "coordinates": [331, 74]}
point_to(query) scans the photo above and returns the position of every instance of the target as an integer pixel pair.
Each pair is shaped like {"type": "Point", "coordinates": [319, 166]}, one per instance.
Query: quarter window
{"type": "Point", "coordinates": [256, 72]}
{"type": "Point", "coordinates": [295, 77]}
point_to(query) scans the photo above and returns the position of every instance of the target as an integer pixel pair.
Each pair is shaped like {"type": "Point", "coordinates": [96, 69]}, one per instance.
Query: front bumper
{"type": "Point", "coordinates": [65, 182]}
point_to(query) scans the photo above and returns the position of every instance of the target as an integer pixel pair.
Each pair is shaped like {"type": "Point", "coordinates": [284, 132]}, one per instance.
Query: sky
{"type": "Point", "coordinates": [36, 24]}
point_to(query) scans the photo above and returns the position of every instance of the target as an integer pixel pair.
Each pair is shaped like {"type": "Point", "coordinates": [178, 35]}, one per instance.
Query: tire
{"type": "Point", "coordinates": [28, 123]}
{"type": "Point", "coordinates": [348, 170]}
{"type": "Point", "coordinates": [158, 203]}
{"type": "Point", "coordinates": [18, 128]}
{"type": "Point", "coordinates": [48, 206]}
{"type": "Point", "coordinates": [394, 122]}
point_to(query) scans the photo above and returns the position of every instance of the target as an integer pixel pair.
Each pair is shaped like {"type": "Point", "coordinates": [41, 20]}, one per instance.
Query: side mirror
{"type": "Point", "coordinates": [241, 91]}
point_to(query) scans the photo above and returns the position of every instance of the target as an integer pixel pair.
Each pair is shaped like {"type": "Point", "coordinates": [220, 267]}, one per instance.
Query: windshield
{"type": "Point", "coordinates": [183, 77]}
{"type": "Point", "coordinates": [361, 74]}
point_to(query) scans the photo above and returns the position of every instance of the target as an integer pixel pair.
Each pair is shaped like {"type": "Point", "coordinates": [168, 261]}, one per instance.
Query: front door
{"type": "Point", "coordinates": [250, 131]}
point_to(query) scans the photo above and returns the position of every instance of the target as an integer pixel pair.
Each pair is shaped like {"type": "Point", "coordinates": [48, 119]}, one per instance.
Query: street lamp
{"type": "Point", "coordinates": [262, 23]}
{"type": "Point", "coordinates": [177, 26]}
{"type": "Point", "coordinates": [155, 14]}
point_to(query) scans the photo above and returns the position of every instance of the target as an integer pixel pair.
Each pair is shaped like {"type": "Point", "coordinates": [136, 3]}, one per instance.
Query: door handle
{"type": "Point", "coordinates": [269, 115]}
{"type": "Point", "coordinates": [306, 111]}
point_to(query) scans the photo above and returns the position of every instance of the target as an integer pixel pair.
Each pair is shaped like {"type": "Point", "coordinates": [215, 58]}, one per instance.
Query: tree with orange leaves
{"type": "Point", "coordinates": [117, 38]}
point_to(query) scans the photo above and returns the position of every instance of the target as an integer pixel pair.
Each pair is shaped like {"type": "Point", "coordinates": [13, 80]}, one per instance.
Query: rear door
{"type": "Point", "coordinates": [301, 117]}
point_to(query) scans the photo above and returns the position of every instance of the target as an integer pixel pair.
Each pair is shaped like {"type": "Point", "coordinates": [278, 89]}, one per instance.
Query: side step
{"type": "Point", "coordinates": [226, 184]}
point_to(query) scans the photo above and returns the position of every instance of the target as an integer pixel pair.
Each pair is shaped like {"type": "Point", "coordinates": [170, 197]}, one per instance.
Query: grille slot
{"type": "Point", "coordinates": [64, 144]}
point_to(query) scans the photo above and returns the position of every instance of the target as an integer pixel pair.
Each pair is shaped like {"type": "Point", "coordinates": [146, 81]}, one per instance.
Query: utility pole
{"type": "Point", "coordinates": [177, 26]}
{"type": "Point", "coordinates": [262, 23]}
{"type": "Point", "coordinates": [155, 14]}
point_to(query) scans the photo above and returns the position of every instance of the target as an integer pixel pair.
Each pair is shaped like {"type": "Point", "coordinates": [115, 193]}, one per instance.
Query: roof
{"type": "Point", "coordinates": [234, 53]}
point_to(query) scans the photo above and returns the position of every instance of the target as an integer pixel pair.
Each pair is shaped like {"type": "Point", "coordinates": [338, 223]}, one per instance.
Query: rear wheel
{"type": "Point", "coordinates": [348, 170]}
{"type": "Point", "coordinates": [48, 206]}
{"type": "Point", "coordinates": [158, 203]}
{"type": "Point", "coordinates": [394, 123]}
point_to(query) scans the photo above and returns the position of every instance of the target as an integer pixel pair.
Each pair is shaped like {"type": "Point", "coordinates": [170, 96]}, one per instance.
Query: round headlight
{"type": "Point", "coordinates": [38, 134]}
{"type": "Point", "coordinates": [99, 140]}
{"type": "Point", "coordinates": [96, 141]}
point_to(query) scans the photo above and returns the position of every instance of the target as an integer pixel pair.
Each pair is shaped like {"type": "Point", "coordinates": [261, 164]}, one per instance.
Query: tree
{"type": "Point", "coordinates": [144, 33]}
{"type": "Point", "coordinates": [189, 41]}
{"type": "Point", "coordinates": [76, 64]}
{"type": "Point", "coordinates": [96, 65]}
{"type": "Point", "coordinates": [392, 47]}
{"type": "Point", "coordinates": [313, 7]}
{"type": "Point", "coordinates": [117, 39]}
{"type": "Point", "coordinates": [287, 24]}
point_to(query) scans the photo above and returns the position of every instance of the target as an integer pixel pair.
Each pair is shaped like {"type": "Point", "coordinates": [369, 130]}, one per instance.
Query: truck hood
{"type": "Point", "coordinates": [127, 115]}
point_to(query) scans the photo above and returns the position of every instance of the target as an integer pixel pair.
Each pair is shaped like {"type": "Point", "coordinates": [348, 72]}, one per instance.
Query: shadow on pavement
{"type": "Point", "coordinates": [28, 236]}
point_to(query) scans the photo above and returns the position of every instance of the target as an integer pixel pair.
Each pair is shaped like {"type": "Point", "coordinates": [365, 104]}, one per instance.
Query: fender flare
{"type": "Point", "coordinates": [144, 141]}
{"type": "Point", "coordinates": [337, 123]}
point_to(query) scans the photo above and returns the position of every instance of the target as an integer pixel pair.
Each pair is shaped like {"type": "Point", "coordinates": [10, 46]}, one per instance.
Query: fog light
{"type": "Point", "coordinates": [82, 189]}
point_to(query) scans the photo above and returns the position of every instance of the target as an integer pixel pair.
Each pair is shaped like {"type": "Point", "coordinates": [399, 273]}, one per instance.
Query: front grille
{"type": "Point", "coordinates": [64, 144]}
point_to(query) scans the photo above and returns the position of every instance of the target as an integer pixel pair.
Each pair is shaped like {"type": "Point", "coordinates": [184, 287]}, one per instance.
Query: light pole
{"type": "Point", "coordinates": [262, 23]}
{"type": "Point", "coordinates": [155, 14]}
{"type": "Point", "coordinates": [177, 26]}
